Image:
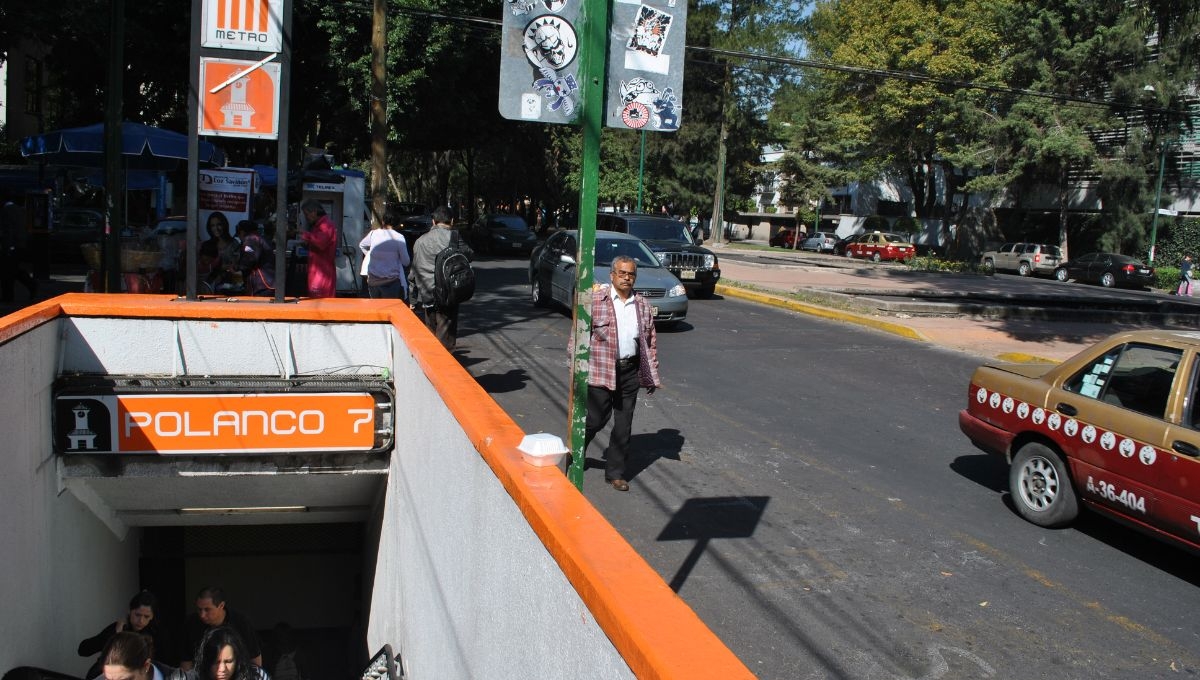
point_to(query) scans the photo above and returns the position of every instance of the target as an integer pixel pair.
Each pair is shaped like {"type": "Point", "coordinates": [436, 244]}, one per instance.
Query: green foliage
{"type": "Point", "coordinates": [876, 223]}
{"type": "Point", "coordinates": [1176, 239]}
{"type": "Point", "coordinates": [904, 225]}
{"type": "Point", "coordinates": [1166, 278]}
{"type": "Point", "coordinates": [937, 264]}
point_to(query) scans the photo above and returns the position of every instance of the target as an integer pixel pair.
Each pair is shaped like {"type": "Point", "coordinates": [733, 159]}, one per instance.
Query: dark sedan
{"type": "Point", "coordinates": [1108, 270]}
{"type": "Point", "coordinates": [503, 235]}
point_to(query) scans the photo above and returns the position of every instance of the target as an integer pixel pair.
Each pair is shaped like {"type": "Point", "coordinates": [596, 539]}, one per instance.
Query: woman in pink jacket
{"type": "Point", "coordinates": [321, 241]}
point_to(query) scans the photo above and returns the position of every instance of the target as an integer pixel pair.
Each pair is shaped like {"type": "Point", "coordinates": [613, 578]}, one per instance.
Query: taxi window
{"type": "Point", "coordinates": [1136, 377]}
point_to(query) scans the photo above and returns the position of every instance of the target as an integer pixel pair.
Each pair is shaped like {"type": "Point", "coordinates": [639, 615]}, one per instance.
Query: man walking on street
{"type": "Point", "coordinates": [441, 320]}
{"type": "Point", "coordinates": [623, 358]}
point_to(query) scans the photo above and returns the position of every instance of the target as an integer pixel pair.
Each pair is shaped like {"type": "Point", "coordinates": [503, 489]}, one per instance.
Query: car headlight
{"type": "Point", "coordinates": [710, 261]}
{"type": "Point", "coordinates": [677, 290]}
{"type": "Point", "coordinates": [500, 237]}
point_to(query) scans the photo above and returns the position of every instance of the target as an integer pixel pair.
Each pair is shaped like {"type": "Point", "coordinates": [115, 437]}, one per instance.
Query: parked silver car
{"type": "Point", "coordinates": [552, 271]}
{"type": "Point", "coordinates": [819, 242]}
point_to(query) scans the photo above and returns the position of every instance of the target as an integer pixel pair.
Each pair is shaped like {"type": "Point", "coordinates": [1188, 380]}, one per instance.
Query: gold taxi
{"type": "Point", "coordinates": [1116, 428]}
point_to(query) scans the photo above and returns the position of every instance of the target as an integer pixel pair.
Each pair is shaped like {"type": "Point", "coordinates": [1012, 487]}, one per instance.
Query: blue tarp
{"type": "Point", "coordinates": [142, 148]}
{"type": "Point", "coordinates": [270, 175]}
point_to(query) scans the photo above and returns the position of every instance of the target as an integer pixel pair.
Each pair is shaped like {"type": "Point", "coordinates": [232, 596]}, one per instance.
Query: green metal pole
{"type": "Point", "coordinates": [1162, 162]}
{"type": "Point", "coordinates": [641, 170]}
{"type": "Point", "coordinates": [593, 49]}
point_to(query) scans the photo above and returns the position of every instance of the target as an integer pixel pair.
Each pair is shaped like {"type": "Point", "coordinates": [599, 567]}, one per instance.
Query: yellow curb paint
{"type": "Point", "coordinates": [823, 312]}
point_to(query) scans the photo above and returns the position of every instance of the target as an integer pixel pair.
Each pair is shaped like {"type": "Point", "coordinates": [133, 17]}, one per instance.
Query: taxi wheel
{"type": "Point", "coordinates": [876, 257]}
{"type": "Point", "coordinates": [1041, 489]}
{"type": "Point", "coordinates": [849, 254]}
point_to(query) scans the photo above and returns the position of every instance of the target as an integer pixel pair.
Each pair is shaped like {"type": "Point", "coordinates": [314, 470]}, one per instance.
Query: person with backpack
{"type": "Point", "coordinates": [441, 277]}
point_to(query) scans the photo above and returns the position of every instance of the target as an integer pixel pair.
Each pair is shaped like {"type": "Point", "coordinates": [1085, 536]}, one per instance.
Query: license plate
{"type": "Point", "coordinates": [655, 310]}
{"type": "Point", "coordinates": [687, 274]}
{"type": "Point", "coordinates": [1143, 271]}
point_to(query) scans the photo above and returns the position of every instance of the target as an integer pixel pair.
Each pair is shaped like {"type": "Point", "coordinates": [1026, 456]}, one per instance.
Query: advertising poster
{"type": "Point", "coordinates": [228, 190]}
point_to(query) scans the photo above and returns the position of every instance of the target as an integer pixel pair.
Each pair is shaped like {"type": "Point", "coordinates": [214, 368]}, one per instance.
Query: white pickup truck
{"type": "Point", "coordinates": [1026, 259]}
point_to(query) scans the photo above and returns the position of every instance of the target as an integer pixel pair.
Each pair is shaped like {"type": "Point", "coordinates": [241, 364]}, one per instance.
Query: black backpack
{"type": "Point", "coordinates": [453, 277]}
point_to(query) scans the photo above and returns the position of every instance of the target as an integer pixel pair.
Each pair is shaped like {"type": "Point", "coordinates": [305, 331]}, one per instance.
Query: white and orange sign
{"type": "Point", "coordinates": [239, 98]}
{"type": "Point", "coordinates": [195, 424]}
{"type": "Point", "coordinates": [254, 25]}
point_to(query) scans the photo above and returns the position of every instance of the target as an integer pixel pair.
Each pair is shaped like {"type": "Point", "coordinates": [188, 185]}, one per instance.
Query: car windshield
{"type": "Point", "coordinates": [894, 238]}
{"type": "Point", "coordinates": [659, 230]}
{"type": "Point", "coordinates": [507, 222]}
{"type": "Point", "coordinates": [607, 249]}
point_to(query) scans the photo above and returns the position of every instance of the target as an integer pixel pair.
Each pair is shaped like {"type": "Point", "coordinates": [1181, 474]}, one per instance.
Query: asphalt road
{"type": "Point", "coordinates": [803, 485]}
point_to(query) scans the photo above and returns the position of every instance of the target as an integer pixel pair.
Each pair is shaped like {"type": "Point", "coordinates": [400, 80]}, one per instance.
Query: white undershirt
{"type": "Point", "coordinates": [627, 323]}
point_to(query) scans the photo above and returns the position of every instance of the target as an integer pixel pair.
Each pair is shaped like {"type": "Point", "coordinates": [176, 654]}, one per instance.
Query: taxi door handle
{"type": "Point", "coordinates": [1066, 409]}
{"type": "Point", "coordinates": [1186, 448]}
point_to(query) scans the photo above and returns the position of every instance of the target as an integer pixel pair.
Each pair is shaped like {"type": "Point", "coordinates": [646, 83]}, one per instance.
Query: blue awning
{"type": "Point", "coordinates": [143, 147]}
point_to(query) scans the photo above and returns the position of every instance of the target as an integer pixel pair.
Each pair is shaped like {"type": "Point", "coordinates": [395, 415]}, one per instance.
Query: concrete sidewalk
{"type": "Point", "coordinates": [822, 290]}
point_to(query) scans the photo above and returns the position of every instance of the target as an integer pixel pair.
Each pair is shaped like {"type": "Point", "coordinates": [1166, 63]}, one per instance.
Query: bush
{"type": "Point", "coordinates": [937, 264]}
{"type": "Point", "coordinates": [1179, 238]}
{"type": "Point", "coordinates": [1166, 278]}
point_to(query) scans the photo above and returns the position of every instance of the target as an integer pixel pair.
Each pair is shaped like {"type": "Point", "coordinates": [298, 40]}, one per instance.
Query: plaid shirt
{"type": "Point", "coordinates": [602, 361]}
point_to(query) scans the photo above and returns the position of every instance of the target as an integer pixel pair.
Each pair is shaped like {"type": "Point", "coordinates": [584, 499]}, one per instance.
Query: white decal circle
{"type": "Point", "coordinates": [1147, 455]}
{"type": "Point", "coordinates": [1007, 406]}
{"type": "Point", "coordinates": [1107, 441]}
{"type": "Point", "coordinates": [1023, 411]}
{"type": "Point", "coordinates": [1071, 427]}
{"type": "Point", "coordinates": [994, 402]}
{"type": "Point", "coordinates": [981, 395]}
{"type": "Point", "coordinates": [1127, 448]}
{"type": "Point", "coordinates": [1054, 421]}
{"type": "Point", "coordinates": [1039, 416]}
{"type": "Point", "coordinates": [1089, 434]}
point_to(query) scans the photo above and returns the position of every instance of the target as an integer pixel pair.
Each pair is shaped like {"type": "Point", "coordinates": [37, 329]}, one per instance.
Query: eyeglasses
{"type": "Point", "coordinates": [624, 274]}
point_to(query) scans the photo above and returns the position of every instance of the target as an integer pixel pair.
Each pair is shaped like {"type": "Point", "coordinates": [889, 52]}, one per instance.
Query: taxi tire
{"type": "Point", "coordinates": [1041, 487]}
{"type": "Point", "coordinates": [876, 257]}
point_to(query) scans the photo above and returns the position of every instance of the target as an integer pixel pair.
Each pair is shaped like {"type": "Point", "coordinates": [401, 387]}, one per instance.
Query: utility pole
{"type": "Point", "coordinates": [378, 112]}
{"type": "Point", "coordinates": [718, 213]}
{"type": "Point", "coordinates": [114, 179]}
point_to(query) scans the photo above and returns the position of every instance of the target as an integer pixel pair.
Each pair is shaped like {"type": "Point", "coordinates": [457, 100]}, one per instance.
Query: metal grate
{"type": "Point", "coordinates": [675, 261]}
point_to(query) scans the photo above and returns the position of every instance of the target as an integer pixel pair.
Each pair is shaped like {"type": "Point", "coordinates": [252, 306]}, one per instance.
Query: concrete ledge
{"type": "Point", "coordinates": [733, 290]}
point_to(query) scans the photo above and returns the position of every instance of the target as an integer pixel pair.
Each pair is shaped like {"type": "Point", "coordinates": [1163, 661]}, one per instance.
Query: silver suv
{"type": "Point", "coordinates": [1025, 259]}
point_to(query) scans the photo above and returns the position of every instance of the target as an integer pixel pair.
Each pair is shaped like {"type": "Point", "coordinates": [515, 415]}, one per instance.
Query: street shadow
{"type": "Point", "coordinates": [509, 381]}
{"type": "Point", "coordinates": [704, 519]}
{"type": "Point", "coordinates": [990, 472]}
{"type": "Point", "coordinates": [647, 449]}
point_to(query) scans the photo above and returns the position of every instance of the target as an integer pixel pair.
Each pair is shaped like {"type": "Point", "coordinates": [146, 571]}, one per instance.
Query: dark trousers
{"type": "Point", "coordinates": [603, 403]}
{"type": "Point", "coordinates": [11, 273]}
{"type": "Point", "coordinates": [443, 323]}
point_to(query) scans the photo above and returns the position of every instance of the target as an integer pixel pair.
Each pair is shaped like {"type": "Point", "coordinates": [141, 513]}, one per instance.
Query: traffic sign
{"type": "Point", "coordinates": [252, 25]}
{"type": "Point", "coordinates": [239, 98]}
{"type": "Point", "coordinates": [645, 65]}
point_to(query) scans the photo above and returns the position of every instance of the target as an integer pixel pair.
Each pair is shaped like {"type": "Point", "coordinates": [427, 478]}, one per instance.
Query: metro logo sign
{"type": "Point", "coordinates": [254, 25]}
{"type": "Point", "coordinates": [193, 424]}
{"type": "Point", "coordinates": [245, 107]}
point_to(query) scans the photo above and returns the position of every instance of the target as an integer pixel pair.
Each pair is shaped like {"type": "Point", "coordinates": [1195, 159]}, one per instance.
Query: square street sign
{"type": "Point", "coordinates": [645, 65]}
{"type": "Point", "coordinates": [539, 61]}
{"type": "Point", "coordinates": [247, 106]}
{"type": "Point", "coordinates": [252, 25]}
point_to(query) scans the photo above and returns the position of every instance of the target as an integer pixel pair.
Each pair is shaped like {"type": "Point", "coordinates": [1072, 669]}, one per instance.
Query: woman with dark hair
{"type": "Point", "coordinates": [222, 656]}
{"type": "Point", "coordinates": [127, 656]}
{"type": "Point", "coordinates": [143, 609]}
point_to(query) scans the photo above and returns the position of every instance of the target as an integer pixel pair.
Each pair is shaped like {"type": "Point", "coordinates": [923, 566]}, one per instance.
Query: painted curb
{"type": "Point", "coordinates": [733, 290]}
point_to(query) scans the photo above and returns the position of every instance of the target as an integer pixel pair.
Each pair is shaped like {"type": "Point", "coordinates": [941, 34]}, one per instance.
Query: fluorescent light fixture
{"type": "Point", "coordinates": [252, 510]}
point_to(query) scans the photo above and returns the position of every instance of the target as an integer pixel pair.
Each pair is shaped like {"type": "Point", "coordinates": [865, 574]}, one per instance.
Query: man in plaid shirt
{"type": "Point", "coordinates": [623, 358]}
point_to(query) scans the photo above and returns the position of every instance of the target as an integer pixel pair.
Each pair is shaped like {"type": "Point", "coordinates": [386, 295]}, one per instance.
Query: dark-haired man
{"type": "Point", "coordinates": [212, 612]}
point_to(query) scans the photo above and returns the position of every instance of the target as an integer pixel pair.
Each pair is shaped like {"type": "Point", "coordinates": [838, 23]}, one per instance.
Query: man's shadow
{"type": "Point", "coordinates": [645, 450]}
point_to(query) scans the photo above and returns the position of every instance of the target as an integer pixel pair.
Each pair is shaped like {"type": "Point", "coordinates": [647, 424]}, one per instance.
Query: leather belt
{"type": "Point", "coordinates": [626, 364]}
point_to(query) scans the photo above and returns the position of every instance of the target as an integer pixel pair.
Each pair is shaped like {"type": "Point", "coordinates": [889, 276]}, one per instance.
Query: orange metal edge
{"type": "Point", "coordinates": [655, 631]}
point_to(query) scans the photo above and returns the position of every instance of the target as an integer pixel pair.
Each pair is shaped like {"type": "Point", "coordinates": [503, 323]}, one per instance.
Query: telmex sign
{"type": "Point", "coordinates": [196, 424]}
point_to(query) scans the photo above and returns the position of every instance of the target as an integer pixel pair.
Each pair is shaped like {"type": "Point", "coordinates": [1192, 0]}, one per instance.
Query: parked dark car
{"type": "Point", "coordinates": [552, 271]}
{"type": "Point", "coordinates": [1108, 270]}
{"type": "Point", "coordinates": [412, 220]}
{"type": "Point", "coordinates": [672, 242]}
{"type": "Point", "coordinates": [502, 235]}
{"type": "Point", "coordinates": [843, 243]}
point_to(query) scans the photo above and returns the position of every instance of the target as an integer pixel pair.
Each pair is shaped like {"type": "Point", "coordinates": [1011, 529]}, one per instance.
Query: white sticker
{"type": "Point", "coordinates": [1127, 448]}
{"type": "Point", "coordinates": [1107, 441]}
{"type": "Point", "coordinates": [1023, 411]}
{"type": "Point", "coordinates": [1147, 455]}
{"type": "Point", "coordinates": [1089, 434]}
